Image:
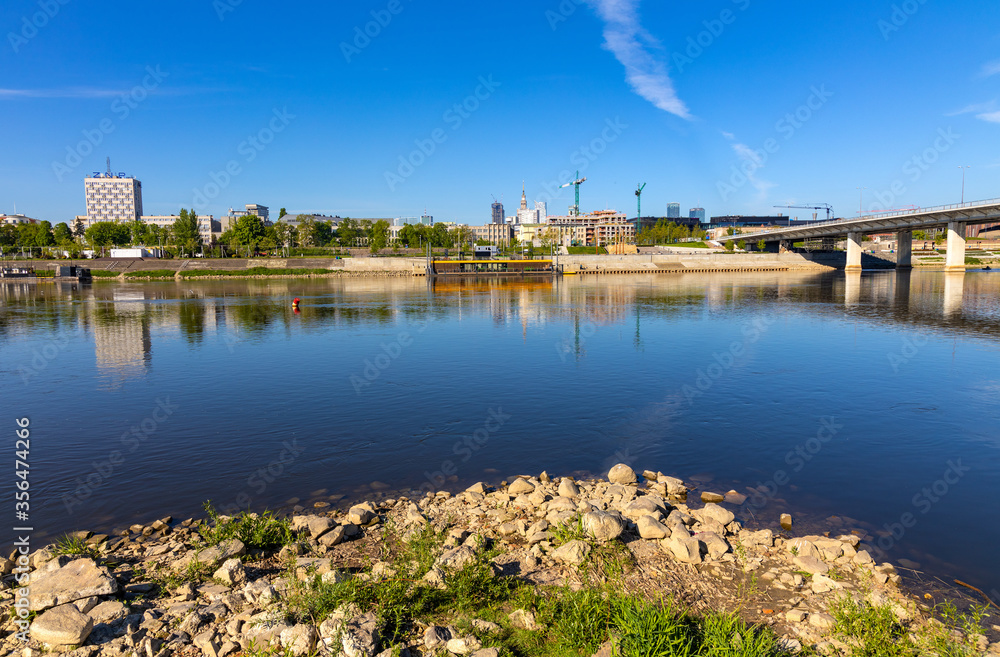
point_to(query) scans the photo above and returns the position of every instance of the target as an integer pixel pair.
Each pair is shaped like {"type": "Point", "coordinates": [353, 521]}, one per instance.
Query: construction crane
{"type": "Point", "coordinates": [638, 209]}
{"type": "Point", "coordinates": [576, 183]}
{"type": "Point", "coordinates": [820, 206]}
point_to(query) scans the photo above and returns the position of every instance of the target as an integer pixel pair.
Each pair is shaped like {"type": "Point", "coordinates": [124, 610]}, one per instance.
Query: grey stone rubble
{"type": "Point", "coordinates": [89, 609]}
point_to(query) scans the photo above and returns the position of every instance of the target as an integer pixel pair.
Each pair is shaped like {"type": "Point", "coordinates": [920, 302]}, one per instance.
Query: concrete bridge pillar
{"type": "Point", "coordinates": [904, 249]}
{"type": "Point", "coordinates": [956, 247]}
{"type": "Point", "coordinates": [853, 252]}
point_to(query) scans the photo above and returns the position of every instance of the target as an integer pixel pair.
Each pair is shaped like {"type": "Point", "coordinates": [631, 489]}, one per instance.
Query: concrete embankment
{"type": "Point", "coordinates": [706, 262]}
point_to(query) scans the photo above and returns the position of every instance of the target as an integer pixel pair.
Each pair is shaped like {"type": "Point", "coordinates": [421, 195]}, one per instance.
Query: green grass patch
{"type": "Point", "coordinates": [73, 546]}
{"type": "Point", "coordinates": [257, 531]}
{"type": "Point", "coordinates": [252, 271]}
{"type": "Point", "coordinates": [585, 250]}
{"type": "Point", "coordinates": [104, 273]}
{"type": "Point", "coordinates": [151, 273]}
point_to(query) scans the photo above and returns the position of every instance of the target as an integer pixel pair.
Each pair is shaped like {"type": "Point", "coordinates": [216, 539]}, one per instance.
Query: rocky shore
{"type": "Point", "coordinates": [486, 572]}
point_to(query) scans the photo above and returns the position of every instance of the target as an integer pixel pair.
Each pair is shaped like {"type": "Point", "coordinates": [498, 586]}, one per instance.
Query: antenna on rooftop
{"type": "Point", "coordinates": [109, 166]}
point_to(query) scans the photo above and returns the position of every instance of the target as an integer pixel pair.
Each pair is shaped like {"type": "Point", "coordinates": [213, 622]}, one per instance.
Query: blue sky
{"type": "Point", "coordinates": [449, 104]}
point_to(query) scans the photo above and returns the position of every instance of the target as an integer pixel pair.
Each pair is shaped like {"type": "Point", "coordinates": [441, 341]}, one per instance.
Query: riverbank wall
{"type": "Point", "coordinates": [707, 262]}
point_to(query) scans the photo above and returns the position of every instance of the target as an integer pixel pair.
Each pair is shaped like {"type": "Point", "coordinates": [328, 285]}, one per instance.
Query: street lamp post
{"type": "Point", "coordinates": [963, 181]}
{"type": "Point", "coordinates": [861, 200]}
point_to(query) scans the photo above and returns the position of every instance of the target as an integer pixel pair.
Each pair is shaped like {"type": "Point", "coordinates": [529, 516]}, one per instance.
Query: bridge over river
{"type": "Point", "coordinates": [953, 217]}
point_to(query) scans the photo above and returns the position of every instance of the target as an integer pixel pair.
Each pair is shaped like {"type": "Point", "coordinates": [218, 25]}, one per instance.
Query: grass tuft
{"type": "Point", "coordinates": [261, 532]}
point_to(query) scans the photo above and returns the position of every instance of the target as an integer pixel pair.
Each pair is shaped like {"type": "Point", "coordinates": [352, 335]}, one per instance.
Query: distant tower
{"type": "Point", "coordinates": [673, 210]}
{"type": "Point", "coordinates": [498, 215]}
{"type": "Point", "coordinates": [697, 213]}
{"type": "Point", "coordinates": [524, 199]}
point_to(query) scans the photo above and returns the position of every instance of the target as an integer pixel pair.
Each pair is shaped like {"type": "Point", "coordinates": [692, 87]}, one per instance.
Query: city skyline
{"type": "Point", "coordinates": [877, 113]}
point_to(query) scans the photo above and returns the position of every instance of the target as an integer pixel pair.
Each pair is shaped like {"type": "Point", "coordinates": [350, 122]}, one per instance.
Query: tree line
{"type": "Point", "coordinates": [667, 232]}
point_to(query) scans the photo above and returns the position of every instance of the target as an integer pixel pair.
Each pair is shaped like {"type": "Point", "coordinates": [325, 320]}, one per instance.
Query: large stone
{"type": "Point", "coordinates": [524, 620]}
{"type": "Point", "coordinates": [603, 526]}
{"type": "Point", "coordinates": [520, 487]}
{"type": "Point", "coordinates": [108, 611]}
{"type": "Point", "coordinates": [568, 488]}
{"type": "Point", "coordinates": [319, 525]}
{"type": "Point", "coordinates": [715, 545]}
{"type": "Point", "coordinates": [212, 556]}
{"type": "Point", "coordinates": [714, 498]}
{"type": "Point", "coordinates": [685, 550]}
{"type": "Point", "coordinates": [457, 558]}
{"type": "Point", "coordinates": [802, 547]}
{"type": "Point", "coordinates": [718, 514]}
{"type": "Point", "coordinates": [333, 537]}
{"type": "Point", "coordinates": [231, 572]}
{"type": "Point", "coordinates": [436, 636]}
{"type": "Point", "coordinates": [76, 580]}
{"type": "Point", "coordinates": [62, 626]}
{"type": "Point", "coordinates": [299, 640]}
{"type": "Point", "coordinates": [360, 637]}
{"type": "Point", "coordinates": [463, 646]}
{"type": "Point", "coordinates": [644, 506]}
{"type": "Point", "coordinates": [651, 528]}
{"type": "Point", "coordinates": [360, 515]}
{"type": "Point", "coordinates": [811, 565]}
{"type": "Point", "coordinates": [822, 621]}
{"type": "Point", "coordinates": [622, 474]}
{"type": "Point", "coordinates": [573, 553]}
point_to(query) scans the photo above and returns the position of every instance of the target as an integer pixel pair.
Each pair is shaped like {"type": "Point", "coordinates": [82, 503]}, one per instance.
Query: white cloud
{"type": "Point", "coordinates": [992, 117]}
{"type": "Point", "coordinates": [990, 69]}
{"type": "Point", "coordinates": [69, 92]}
{"type": "Point", "coordinates": [645, 71]}
{"type": "Point", "coordinates": [753, 158]}
{"type": "Point", "coordinates": [975, 108]}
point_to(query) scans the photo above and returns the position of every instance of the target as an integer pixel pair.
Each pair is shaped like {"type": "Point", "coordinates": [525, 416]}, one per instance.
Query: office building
{"type": "Point", "coordinates": [697, 213]}
{"type": "Point", "coordinates": [209, 229]}
{"type": "Point", "coordinates": [673, 210]}
{"type": "Point", "coordinates": [493, 233]}
{"type": "Point", "coordinates": [112, 197]}
{"type": "Point", "coordinates": [15, 219]}
{"type": "Point", "coordinates": [541, 212]}
{"type": "Point", "coordinates": [498, 215]}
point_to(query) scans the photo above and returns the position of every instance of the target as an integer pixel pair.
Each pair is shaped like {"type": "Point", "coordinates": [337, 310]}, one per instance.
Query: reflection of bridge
{"type": "Point", "coordinates": [953, 217]}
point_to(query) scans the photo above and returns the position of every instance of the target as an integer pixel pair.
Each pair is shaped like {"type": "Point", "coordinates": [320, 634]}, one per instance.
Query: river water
{"type": "Point", "coordinates": [867, 402]}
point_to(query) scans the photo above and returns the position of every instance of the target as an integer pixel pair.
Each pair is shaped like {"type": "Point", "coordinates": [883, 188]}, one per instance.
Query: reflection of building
{"type": "Point", "coordinates": [121, 335]}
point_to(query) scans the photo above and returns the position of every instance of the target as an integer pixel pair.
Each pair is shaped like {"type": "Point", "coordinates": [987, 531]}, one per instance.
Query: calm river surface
{"type": "Point", "coordinates": [873, 398]}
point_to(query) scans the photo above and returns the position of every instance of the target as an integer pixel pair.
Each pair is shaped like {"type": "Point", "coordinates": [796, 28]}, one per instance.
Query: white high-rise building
{"type": "Point", "coordinates": [113, 197]}
{"type": "Point", "coordinates": [542, 212]}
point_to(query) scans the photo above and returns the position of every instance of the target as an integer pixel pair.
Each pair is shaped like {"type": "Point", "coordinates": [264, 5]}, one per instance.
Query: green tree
{"type": "Point", "coordinates": [347, 232]}
{"type": "Point", "coordinates": [440, 236]}
{"type": "Point", "coordinates": [8, 235]}
{"type": "Point", "coordinates": [379, 236]}
{"type": "Point", "coordinates": [761, 245]}
{"type": "Point", "coordinates": [43, 234]}
{"type": "Point", "coordinates": [729, 245]}
{"type": "Point", "coordinates": [185, 231]}
{"type": "Point", "coordinates": [742, 244]}
{"type": "Point", "coordinates": [107, 233]}
{"type": "Point", "coordinates": [62, 234]}
{"type": "Point", "coordinates": [283, 234]}
{"type": "Point", "coordinates": [248, 232]}
{"type": "Point", "coordinates": [78, 228]}
{"type": "Point", "coordinates": [281, 213]}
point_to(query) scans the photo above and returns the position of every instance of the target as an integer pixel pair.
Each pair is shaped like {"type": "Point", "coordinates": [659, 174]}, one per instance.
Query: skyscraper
{"type": "Point", "coordinates": [673, 210]}
{"type": "Point", "coordinates": [542, 212]}
{"type": "Point", "coordinates": [113, 197]}
{"type": "Point", "coordinates": [498, 215]}
{"type": "Point", "coordinates": [697, 213]}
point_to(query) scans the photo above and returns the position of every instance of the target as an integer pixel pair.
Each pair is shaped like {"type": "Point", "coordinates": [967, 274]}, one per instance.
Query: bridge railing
{"type": "Point", "coordinates": [878, 215]}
